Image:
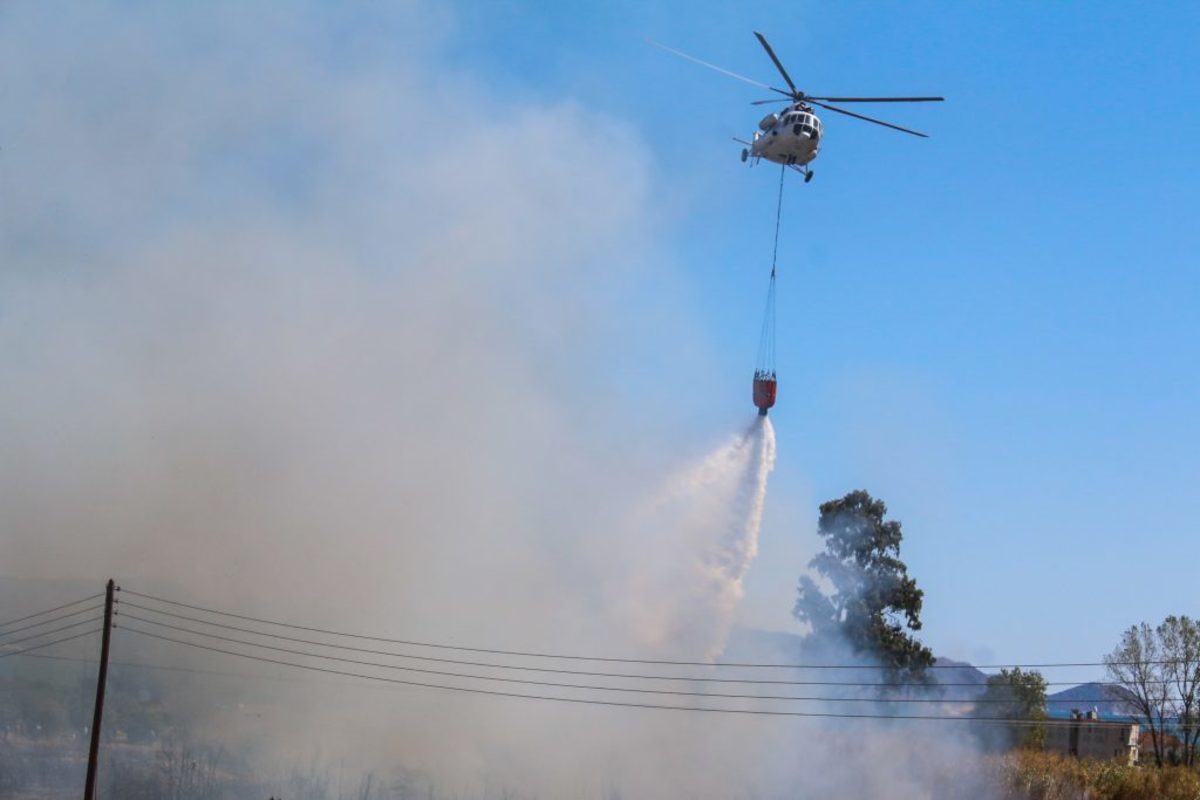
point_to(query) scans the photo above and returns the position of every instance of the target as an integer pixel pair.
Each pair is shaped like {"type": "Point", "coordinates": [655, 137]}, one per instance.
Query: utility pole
{"type": "Point", "coordinates": [89, 790]}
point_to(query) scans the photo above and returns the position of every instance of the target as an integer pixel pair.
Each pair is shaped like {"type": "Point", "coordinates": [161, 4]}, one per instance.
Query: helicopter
{"type": "Point", "coordinates": [792, 137]}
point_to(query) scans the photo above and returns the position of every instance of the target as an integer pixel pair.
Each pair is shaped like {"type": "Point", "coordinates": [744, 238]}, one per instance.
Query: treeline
{"type": "Point", "coordinates": [57, 703]}
{"type": "Point", "coordinates": [870, 604]}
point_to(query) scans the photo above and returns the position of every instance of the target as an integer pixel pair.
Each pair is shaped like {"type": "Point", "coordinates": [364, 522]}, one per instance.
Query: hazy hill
{"type": "Point", "coordinates": [1086, 696]}
{"type": "Point", "coordinates": [960, 679]}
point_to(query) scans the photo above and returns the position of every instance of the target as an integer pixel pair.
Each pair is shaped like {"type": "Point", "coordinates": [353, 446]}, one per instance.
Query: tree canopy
{"type": "Point", "coordinates": [1160, 670]}
{"type": "Point", "coordinates": [1014, 694]}
{"type": "Point", "coordinates": [872, 603]}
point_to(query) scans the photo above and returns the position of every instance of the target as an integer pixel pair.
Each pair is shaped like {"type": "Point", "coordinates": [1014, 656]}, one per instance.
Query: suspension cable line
{"type": "Point", "coordinates": [571, 657]}
{"type": "Point", "coordinates": [589, 687]}
{"type": "Point", "coordinates": [778, 218]}
{"type": "Point", "coordinates": [44, 645]}
{"type": "Point", "coordinates": [598, 702]}
{"type": "Point", "coordinates": [93, 621]}
{"type": "Point", "coordinates": [50, 610]}
{"type": "Point", "coordinates": [50, 621]}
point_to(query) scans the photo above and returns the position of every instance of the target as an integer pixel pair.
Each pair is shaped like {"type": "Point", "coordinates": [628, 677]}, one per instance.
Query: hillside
{"type": "Point", "coordinates": [1103, 697]}
{"type": "Point", "coordinates": [961, 679]}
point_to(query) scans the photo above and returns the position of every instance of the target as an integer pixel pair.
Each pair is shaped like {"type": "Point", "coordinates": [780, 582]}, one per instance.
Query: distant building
{"type": "Point", "coordinates": [1085, 735]}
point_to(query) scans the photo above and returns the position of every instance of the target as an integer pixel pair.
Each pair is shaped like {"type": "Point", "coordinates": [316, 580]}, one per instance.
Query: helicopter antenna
{"type": "Point", "coordinates": [721, 70]}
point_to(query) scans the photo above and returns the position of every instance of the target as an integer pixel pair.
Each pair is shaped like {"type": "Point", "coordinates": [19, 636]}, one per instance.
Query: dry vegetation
{"type": "Point", "coordinates": [1046, 776]}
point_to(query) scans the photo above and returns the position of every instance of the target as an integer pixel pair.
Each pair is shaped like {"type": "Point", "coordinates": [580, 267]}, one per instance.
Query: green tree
{"type": "Point", "coordinates": [872, 605]}
{"type": "Point", "coordinates": [1017, 695]}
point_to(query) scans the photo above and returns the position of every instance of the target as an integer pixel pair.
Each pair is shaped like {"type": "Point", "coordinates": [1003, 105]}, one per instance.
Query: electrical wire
{"type": "Point", "coordinates": [50, 610]}
{"type": "Point", "coordinates": [52, 620]}
{"type": "Point", "coordinates": [562, 671]}
{"type": "Point", "coordinates": [606, 659]}
{"type": "Point", "coordinates": [188, 670]}
{"type": "Point", "coordinates": [590, 687]}
{"type": "Point", "coordinates": [6, 654]}
{"type": "Point", "coordinates": [259, 676]}
{"type": "Point", "coordinates": [55, 630]}
{"type": "Point", "coordinates": [592, 701]}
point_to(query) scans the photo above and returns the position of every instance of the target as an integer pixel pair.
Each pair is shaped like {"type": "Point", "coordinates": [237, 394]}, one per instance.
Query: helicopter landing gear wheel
{"type": "Point", "coordinates": [808, 176]}
{"type": "Point", "coordinates": [745, 155]}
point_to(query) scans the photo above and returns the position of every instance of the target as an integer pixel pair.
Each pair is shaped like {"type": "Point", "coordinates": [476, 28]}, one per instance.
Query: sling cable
{"type": "Point", "coordinates": [765, 383]}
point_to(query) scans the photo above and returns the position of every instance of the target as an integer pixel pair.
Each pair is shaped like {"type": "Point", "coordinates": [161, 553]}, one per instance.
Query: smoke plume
{"type": "Point", "coordinates": [300, 319]}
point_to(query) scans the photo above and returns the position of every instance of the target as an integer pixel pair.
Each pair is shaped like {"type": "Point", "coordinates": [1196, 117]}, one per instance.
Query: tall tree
{"type": "Point", "coordinates": [1016, 695]}
{"type": "Point", "coordinates": [873, 605]}
{"type": "Point", "coordinates": [1137, 665]}
{"type": "Point", "coordinates": [1180, 639]}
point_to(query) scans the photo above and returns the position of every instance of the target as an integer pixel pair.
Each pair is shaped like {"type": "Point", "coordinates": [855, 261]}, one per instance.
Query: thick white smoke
{"type": "Point", "coordinates": [298, 320]}
{"type": "Point", "coordinates": [323, 331]}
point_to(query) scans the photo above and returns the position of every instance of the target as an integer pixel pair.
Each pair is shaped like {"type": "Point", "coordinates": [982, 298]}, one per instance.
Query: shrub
{"type": "Point", "coordinates": [1031, 775]}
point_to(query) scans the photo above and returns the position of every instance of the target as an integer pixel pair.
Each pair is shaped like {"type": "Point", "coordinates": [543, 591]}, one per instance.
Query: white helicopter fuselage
{"type": "Point", "coordinates": [791, 137]}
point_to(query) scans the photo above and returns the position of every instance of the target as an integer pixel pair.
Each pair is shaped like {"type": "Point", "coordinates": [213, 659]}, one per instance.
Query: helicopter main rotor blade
{"type": "Point", "coordinates": [721, 70]}
{"type": "Point", "coordinates": [779, 66]}
{"type": "Point", "coordinates": [868, 119]}
{"type": "Point", "coordinates": [877, 99]}
{"type": "Point", "coordinates": [768, 102]}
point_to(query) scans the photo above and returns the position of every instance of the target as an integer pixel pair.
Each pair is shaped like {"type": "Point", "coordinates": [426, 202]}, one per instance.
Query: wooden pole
{"type": "Point", "coordinates": [89, 790]}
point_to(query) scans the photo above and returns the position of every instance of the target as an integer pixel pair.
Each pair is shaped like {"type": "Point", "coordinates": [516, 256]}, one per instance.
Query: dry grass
{"type": "Point", "coordinates": [1045, 776]}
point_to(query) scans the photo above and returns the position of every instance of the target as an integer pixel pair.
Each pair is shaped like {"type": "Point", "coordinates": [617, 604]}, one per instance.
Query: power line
{"type": "Point", "coordinates": [590, 687]}
{"type": "Point", "coordinates": [486, 664]}
{"type": "Point", "coordinates": [92, 621]}
{"type": "Point", "coordinates": [461, 648]}
{"type": "Point", "coordinates": [581, 686]}
{"type": "Point", "coordinates": [260, 676]}
{"type": "Point", "coordinates": [50, 610]}
{"type": "Point", "coordinates": [559, 670]}
{"type": "Point", "coordinates": [22, 652]}
{"type": "Point", "coordinates": [51, 621]}
{"type": "Point", "coordinates": [607, 659]}
{"type": "Point", "coordinates": [590, 701]}
{"type": "Point", "coordinates": [188, 670]}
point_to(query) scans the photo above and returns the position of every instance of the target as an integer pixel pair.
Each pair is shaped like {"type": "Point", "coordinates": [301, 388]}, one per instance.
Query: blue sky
{"type": "Point", "coordinates": [992, 329]}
